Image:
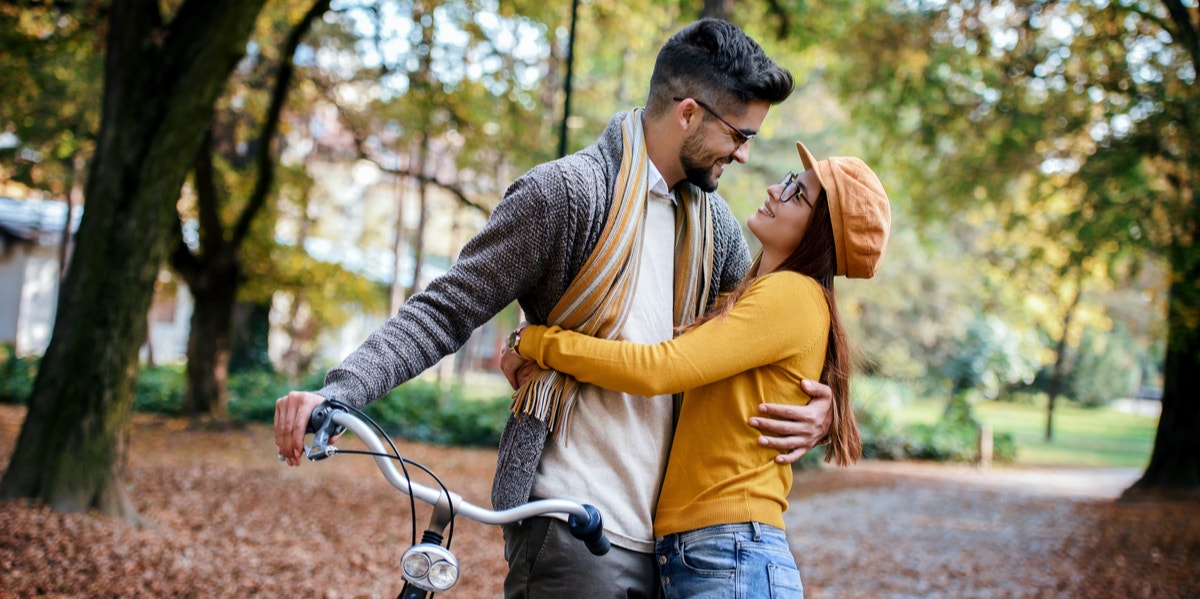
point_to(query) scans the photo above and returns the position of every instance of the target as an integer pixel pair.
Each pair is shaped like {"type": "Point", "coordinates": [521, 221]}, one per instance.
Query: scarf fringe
{"type": "Point", "coordinates": [548, 396]}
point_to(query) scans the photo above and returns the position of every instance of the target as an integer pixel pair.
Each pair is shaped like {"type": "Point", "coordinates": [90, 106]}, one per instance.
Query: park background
{"type": "Point", "coordinates": [239, 192]}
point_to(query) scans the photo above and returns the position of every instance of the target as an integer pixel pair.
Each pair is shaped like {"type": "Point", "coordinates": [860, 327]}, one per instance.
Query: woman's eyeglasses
{"type": "Point", "coordinates": [792, 190]}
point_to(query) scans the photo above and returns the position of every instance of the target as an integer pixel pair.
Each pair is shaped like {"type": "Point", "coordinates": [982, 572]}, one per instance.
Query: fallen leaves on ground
{"type": "Point", "coordinates": [226, 519]}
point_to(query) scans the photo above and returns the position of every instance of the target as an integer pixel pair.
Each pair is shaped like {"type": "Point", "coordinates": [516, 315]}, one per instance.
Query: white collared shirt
{"type": "Point", "coordinates": [617, 444]}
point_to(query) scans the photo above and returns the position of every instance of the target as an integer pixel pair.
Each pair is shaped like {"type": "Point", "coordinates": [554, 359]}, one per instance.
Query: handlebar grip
{"type": "Point", "coordinates": [323, 428]}
{"type": "Point", "coordinates": [591, 531]}
{"type": "Point", "coordinates": [322, 417]}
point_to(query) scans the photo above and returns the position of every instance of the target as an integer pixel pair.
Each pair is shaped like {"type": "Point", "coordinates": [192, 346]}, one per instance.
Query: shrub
{"type": "Point", "coordinates": [1107, 368]}
{"type": "Point", "coordinates": [252, 394]}
{"type": "Point", "coordinates": [876, 394]}
{"type": "Point", "coordinates": [881, 439]}
{"type": "Point", "coordinates": [949, 442]}
{"type": "Point", "coordinates": [422, 411]}
{"type": "Point", "coordinates": [1004, 448]}
{"type": "Point", "coordinates": [160, 389]}
{"type": "Point", "coordinates": [943, 441]}
{"type": "Point", "coordinates": [473, 422]}
{"type": "Point", "coordinates": [407, 411]}
{"type": "Point", "coordinates": [418, 410]}
{"type": "Point", "coordinates": [17, 375]}
{"type": "Point", "coordinates": [1028, 397]}
{"type": "Point", "coordinates": [811, 460]}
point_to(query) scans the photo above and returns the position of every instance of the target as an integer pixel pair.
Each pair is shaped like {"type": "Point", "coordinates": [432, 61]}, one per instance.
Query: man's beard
{"type": "Point", "coordinates": [694, 170]}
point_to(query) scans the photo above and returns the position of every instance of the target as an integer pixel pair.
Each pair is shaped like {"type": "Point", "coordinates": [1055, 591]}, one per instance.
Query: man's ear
{"type": "Point", "coordinates": [687, 115]}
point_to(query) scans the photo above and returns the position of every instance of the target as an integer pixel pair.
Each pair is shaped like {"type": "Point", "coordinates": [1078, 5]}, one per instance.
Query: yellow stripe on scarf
{"type": "Point", "coordinates": [598, 300]}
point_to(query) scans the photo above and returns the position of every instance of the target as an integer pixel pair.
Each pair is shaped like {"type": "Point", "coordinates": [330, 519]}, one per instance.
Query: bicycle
{"type": "Point", "coordinates": [428, 566]}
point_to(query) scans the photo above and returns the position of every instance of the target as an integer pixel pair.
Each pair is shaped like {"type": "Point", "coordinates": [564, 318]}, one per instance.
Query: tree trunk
{"type": "Point", "coordinates": [423, 85]}
{"type": "Point", "coordinates": [213, 279]}
{"type": "Point", "coordinates": [1174, 467]}
{"type": "Point", "coordinates": [161, 83]}
{"type": "Point", "coordinates": [149, 342]}
{"type": "Point", "coordinates": [208, 346]}
{"type": "Point", "coordinates": [399, 247]}
{"type": "Point", "coordinates": [216, 273]}
{"type": "Point", "coordinates": [248, 344]}
{"type": "Point", "coordinates": [1060, 359]}
{"type": "Point", "coordinates": [66, 244]}
{"type": "Point", "coordinates": [302, 331]}
{"type": "Point", "coordinates": [718, 9]}
{"type": "Point", "coordinates": [563, 147]}
{"type": "Point", "coordinates": [418, 242]}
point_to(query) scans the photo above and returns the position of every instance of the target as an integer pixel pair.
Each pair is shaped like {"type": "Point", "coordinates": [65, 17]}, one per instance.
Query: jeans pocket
{"type": "Point", "coordinates": [714, 555]}
{"type": "Point", "coordinates": [524, 544]}
{"type": "Point", "coordinates": [784, 582]}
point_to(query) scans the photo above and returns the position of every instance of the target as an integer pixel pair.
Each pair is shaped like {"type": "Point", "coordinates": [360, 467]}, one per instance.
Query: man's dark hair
{"type": "Point", "coordinates": [717, 63]}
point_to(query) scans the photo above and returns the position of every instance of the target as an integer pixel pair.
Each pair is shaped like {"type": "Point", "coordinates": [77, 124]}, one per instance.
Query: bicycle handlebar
{"type": "Point", "coordinates": [329, 420]}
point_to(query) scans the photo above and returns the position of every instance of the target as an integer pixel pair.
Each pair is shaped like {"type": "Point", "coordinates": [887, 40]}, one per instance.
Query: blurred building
{"type": "Point", "coordinates": [31, 233]}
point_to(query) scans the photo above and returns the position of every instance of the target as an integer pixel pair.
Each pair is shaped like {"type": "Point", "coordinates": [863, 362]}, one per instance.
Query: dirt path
{"type": "Point", "coordinates": [923, 530]}
{"type": "Point", "coordinates": [230, 521]}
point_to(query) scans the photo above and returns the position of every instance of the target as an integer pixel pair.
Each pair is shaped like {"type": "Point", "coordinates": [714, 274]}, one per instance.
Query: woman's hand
{"type": "Point", "coordinates": [794, 430]}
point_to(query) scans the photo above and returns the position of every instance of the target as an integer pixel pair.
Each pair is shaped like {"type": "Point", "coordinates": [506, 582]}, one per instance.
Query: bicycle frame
{"type": "Point", "coordinates": [429, 567]}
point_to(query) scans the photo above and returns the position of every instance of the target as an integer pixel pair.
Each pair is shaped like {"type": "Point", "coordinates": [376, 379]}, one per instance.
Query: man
{"type": "Point", "coordinates": [624, 238]}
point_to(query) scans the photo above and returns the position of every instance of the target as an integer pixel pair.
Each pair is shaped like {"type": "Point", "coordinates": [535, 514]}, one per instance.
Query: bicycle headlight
{"type": "Point", "coordinates": [416, 564]}
{"type": "Point", "coordinates": [443, 575]}
{"type": "Point", "coordinates": [430, 567]}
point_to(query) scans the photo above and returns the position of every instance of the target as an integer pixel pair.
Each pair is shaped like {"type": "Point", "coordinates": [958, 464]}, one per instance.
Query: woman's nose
{"type": "Point", "coordinates": [773, 191]}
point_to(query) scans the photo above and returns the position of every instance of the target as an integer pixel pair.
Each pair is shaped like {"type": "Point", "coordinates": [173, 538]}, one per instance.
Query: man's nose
{"type": "Point", "coordinates": [742, 154]}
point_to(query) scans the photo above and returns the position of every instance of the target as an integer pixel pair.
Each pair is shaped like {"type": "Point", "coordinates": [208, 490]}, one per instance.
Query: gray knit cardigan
{"type": "Point", "coordinates": [533, 245]}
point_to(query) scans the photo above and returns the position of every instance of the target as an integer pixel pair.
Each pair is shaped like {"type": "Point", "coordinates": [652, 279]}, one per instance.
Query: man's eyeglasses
{"type": "Point", "coordinates": [792, 190]}
{"type": "Point", "coordinates": [741, 136]}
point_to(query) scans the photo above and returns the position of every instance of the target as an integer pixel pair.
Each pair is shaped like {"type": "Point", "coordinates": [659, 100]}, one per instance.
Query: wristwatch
{"type": "Point", "coordinates": [514, 338]}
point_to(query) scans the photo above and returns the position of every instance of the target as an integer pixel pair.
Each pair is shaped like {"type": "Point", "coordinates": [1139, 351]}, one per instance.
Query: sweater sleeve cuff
{"type": "Point", "coordinates": [532, 341]}
{"type": "Point", "coordinates": [346, 388]}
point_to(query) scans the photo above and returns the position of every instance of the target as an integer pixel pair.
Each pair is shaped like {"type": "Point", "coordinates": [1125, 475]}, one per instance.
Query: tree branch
{"type": "Point", "coordinates": [266, 145]}
{"type": "Point", "coordinates": [212, 234]}
{"type": "Point", "coordinates": [454, 189]}
{"type": "Point", "coordinates": [785, 18]}
{"type": "Point", "coordinates": [1186, 28]}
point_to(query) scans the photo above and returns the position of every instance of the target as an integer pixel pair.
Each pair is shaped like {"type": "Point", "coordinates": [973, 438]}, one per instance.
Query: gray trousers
{"type": "Point", "coordinates": [545, 561]}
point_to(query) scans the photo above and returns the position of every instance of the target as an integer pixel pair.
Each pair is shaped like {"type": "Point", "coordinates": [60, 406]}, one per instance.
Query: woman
{"type": "Point", "coordinates": [719, 520]}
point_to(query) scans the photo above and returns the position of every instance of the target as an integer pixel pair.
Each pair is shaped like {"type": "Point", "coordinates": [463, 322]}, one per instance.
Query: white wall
{"type": "Point", "coordinates": [39, 302]}
{"type": "Point", "coordinates": [28, 295]}
{"type": "Point", "coordinates": [169, 326]}
{"type": "Point", "coordinates": [12, 280]}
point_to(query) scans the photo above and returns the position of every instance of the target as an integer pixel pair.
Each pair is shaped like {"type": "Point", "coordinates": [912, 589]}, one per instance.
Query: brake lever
{"type": "Point", "coordinates": [323, 428]}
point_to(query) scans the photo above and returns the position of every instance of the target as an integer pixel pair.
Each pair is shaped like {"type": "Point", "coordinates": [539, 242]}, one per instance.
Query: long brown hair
{"type": "Point", "coordinates": [815, 257]}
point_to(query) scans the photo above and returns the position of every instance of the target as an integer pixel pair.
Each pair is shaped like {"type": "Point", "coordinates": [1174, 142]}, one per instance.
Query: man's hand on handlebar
{"type": "Point", "coordinates": [292, 413]}
{"type": "Point", "coordinates": [794, 430]}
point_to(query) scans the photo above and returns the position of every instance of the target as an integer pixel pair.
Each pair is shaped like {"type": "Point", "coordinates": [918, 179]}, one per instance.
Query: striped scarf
{"type": "Point", "coordinates": [599, 298]}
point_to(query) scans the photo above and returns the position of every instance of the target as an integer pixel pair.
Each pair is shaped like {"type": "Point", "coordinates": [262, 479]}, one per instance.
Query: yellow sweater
{"type": "Point", "coordinates": [717, 473]}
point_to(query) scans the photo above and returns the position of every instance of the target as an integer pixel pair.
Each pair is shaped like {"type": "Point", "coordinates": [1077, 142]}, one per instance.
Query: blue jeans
{"type": "Point", "coordinates": [741, 561]}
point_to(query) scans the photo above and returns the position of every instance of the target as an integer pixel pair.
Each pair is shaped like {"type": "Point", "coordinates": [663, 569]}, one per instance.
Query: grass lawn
{"type": "Point", "coordinates": [1102, 437]}
{"type": "Point", "coordinates": [1082, 437]}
